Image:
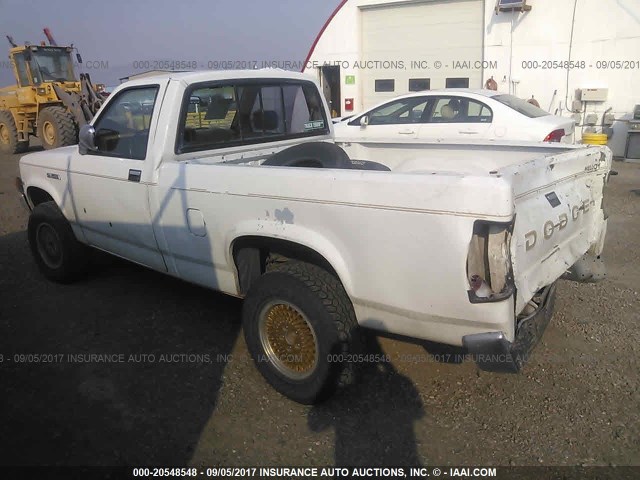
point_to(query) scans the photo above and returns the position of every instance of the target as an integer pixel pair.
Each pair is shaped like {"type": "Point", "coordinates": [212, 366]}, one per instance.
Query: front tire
{"type": "Point", "coordinates": [299, 326]}
{"type": "Point", "coordinates": [57, 128]}
{"type": "Point", "coordinates": [59, 255]}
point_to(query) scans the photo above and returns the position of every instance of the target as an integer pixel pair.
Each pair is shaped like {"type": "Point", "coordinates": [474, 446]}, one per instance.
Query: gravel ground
{"type": "Point", "coordinates": [184, 390]}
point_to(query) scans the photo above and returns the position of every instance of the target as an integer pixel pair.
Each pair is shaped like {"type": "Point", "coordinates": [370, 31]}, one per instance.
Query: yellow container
{"type": "Point", "coordinates": [594, 138]}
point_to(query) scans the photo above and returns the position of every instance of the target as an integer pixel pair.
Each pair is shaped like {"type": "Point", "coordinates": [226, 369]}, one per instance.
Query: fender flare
{"type": "Point", "coordinates": [294, 234]}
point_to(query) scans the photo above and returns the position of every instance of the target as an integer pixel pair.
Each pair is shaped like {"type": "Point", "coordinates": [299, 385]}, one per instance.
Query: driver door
{"type": "Point", "coordinates": [109, 186]}
{"type": "Point", "coordinates": [397, 120]}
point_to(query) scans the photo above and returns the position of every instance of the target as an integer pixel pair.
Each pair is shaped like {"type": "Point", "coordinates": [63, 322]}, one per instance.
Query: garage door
{"type": "Point", "coordinates": [417, 36]}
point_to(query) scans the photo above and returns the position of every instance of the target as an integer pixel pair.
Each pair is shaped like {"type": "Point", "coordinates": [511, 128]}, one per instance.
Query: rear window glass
{"type": "Point", "coordinates": [248, 112]}
{"type": "Point", "coordinates": [521, 106]}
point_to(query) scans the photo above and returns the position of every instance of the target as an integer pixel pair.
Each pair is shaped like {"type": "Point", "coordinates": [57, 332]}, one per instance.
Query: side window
{"type": "Point", "coordinates": [407, 110]}
{"type": "Point", "coordinates": [460, 110]}
{"type": "Point", "coordinates": [123, 128]}
{"type": "Point", "coordinates": [478, 113]}
{"type": "Point", "coordinates": [21, 66]}
{"type": "Point", "coordinates": [445, 110]}
{"type": "Point", "coordinates": [246, 113]}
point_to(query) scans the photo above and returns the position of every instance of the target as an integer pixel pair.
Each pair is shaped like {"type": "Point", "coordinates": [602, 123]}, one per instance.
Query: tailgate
{"type": "Point", "coordinates": [559, 215]}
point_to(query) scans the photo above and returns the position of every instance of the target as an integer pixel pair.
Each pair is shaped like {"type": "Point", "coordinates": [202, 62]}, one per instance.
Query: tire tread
{"type": "Point", "coordinates": [76, 254]}
{"type": "Point", "coordinates": [15, 146]}
{"type": "Point", "coordinates": [341, 331]}
{"type": "Point", "coordinates": [66, 127]}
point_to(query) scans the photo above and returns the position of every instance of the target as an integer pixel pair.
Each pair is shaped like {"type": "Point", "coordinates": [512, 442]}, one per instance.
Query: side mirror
{"type": "Point", "coordinates": [79, 57]}
{"type": "Point", "coordinates": [364, 121]}
{"type": "Point", "coordinates": [87, 140]}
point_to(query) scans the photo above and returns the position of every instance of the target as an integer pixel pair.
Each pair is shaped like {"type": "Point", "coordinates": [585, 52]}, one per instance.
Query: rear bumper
{"type": "Point", "coordinates": [494, 353]}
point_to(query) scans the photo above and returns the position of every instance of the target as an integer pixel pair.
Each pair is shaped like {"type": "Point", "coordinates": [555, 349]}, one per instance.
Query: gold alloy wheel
{"type": "Point", "coordinates": [288, 340]}
{"type": "Point", "coordinates": [49, 133]}
{"type": "Point", "coordinates": [4, 134]}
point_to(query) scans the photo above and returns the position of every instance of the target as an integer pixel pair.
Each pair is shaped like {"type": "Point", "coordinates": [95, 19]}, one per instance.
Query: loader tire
{"type": "Point", "coordinates": [57, 128]}
{"type": "Point", "coordinates": [9, 143]}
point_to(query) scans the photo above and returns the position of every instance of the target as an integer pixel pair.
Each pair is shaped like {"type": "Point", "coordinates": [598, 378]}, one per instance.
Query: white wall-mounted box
{"type": "Point", "coordinates": [593, 94]}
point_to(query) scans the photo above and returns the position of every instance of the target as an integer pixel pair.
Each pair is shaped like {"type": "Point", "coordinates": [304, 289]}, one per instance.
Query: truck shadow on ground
{"type": "Point", "coordinates": [159, 349]}
{"type": "Point", "coordinates": [160, 346]}
{"type": "Point", "coordinates": [373, 419]}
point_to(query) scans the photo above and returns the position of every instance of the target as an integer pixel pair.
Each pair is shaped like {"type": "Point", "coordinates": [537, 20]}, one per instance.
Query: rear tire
{"type": "Point", "coordinates": [299, 325]}
{"type": "Point", "coordinates": [57, 128]}
{"type": "Point", "coordinates": [59, 255]}
{"type": "Point", "coordinates": [9, 143]}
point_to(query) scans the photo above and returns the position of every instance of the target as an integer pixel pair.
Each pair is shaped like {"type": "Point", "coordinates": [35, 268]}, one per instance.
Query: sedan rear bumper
{"type": "Point", "coordinates": [494, 353]}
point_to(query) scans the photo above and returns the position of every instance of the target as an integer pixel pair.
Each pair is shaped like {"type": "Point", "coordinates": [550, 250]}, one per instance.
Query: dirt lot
{"type": "Point", "coordinates": [186, 391]}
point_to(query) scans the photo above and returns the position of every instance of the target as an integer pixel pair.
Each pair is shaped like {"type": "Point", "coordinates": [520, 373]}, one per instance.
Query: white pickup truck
{"type": "Point", "coordinates": [231, 180]}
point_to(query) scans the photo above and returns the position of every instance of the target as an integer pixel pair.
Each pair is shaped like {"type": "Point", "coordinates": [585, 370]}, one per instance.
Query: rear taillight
{"type": "Point", "coordinates": [489, 263]}
{"type": "Point", "coordinates": [554, 136]}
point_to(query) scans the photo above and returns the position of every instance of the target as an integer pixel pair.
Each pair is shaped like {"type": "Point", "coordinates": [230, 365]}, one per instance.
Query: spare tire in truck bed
{"type": "Point", "coordinates": [311, 154]}
{"type": "Point", "coordinates": [320, 155]}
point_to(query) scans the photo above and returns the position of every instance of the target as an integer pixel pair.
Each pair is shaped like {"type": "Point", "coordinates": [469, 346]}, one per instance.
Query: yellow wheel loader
{"type": "Point", "coordinates": [48, 100]}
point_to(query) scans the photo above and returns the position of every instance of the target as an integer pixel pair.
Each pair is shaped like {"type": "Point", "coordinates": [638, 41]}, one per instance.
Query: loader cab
{"type": "Point", "coordinates": [39, 64]}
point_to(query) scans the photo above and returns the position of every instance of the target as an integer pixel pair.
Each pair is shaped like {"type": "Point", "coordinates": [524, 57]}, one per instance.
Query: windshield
{"type": "Point", "coordinates": [521, 106]}
{"type": "Point", "coordinates": [51, 65]}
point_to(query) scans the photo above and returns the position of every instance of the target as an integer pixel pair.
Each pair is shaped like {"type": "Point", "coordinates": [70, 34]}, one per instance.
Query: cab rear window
{"type": "Point", "coordinates": [221, 115]}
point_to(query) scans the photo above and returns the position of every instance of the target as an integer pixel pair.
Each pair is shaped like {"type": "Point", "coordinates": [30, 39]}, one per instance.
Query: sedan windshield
{"type": "Point", "coordinates": [521, 106]}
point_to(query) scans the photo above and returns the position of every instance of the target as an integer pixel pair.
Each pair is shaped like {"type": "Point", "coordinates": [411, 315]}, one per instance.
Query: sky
{"type": "Point", "coordinates": [121, 37]}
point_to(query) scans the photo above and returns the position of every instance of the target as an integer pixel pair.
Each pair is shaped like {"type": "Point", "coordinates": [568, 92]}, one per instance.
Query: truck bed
{"type": "Point", "coordinates": [538, 187]}
{"type": "Point", "coordinates": [472, 158]}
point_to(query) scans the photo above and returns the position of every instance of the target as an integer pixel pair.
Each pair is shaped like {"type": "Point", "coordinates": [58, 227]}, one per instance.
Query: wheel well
{"type": "Point", "coordinates": [251, 255]}
{"type": "Point", "coordinates": [37, 196]}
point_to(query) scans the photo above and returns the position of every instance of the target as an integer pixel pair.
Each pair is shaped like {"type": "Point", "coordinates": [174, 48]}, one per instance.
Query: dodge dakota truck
{"type": "Point", "coordinates": [232, 181]}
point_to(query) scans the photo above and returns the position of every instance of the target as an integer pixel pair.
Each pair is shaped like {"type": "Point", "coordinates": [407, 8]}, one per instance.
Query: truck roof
{"type": "Point", "coordinates": [213, 75]}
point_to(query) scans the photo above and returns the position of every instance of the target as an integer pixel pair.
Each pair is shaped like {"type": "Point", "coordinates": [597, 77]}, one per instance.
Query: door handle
{"type": "Point", "coordinates": [468, 132]}
{"type": "Point", "coordinates": [406, 132]}
{"type": "Point", "coordinates": [134, 175]}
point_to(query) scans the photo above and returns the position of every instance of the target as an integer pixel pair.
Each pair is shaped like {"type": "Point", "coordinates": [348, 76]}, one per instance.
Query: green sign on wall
{"type": "Point", "coordinates": [350, 80]}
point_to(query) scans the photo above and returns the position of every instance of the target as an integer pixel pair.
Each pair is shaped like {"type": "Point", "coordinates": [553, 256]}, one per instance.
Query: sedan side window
{"type": "Point", "coordinates": [407, 110]}
{"type": "Point", "coordinates": [123, 128]}
{"type": "Point", "coordinates": [460, 110]}
{"type": "Point", "coordinates": [478, 113]}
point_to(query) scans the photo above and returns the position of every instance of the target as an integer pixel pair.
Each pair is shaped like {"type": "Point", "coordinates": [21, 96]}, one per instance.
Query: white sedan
{"type": "Point", "coordinates": [456, 113]}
